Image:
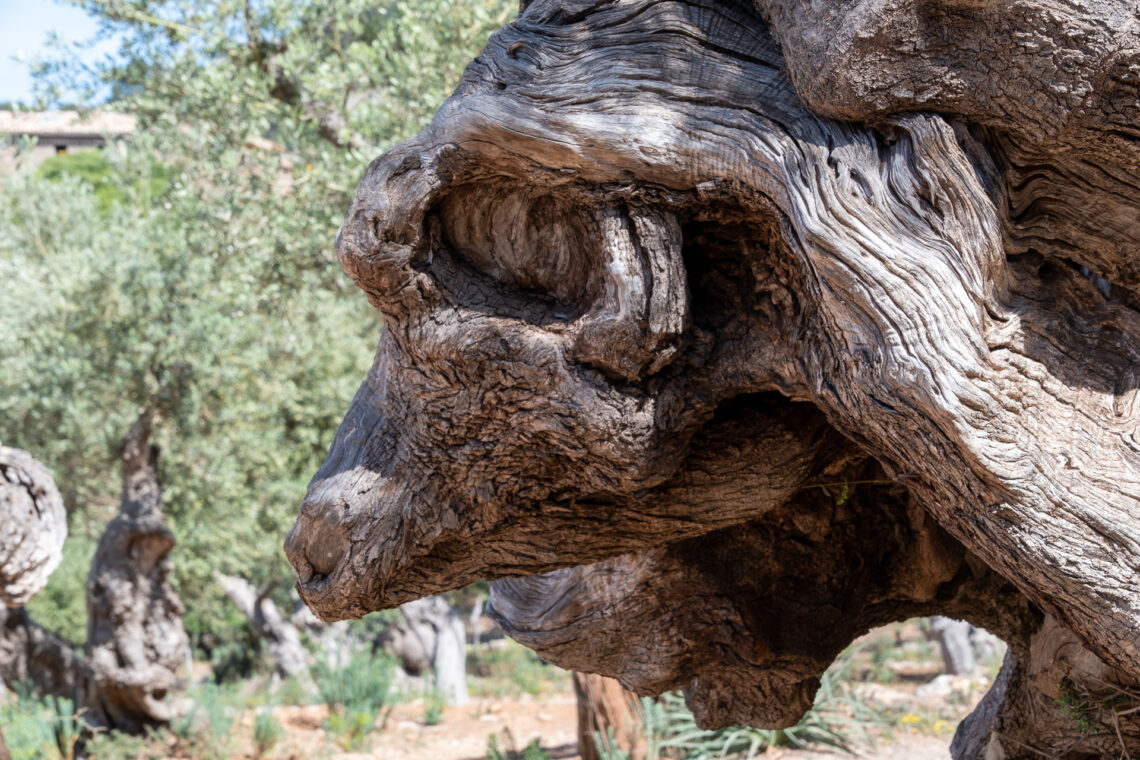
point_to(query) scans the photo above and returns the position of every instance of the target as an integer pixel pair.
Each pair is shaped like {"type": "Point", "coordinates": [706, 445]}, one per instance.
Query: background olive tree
{"type": "Point", "coordinates": [191, 267]}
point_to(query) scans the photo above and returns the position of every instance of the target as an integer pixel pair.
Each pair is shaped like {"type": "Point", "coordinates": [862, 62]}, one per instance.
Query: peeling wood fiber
{"type": "Point", "coordinates": [659, 269]}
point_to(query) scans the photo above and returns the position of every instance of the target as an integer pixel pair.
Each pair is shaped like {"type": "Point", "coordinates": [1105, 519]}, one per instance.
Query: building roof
{"type": "Point", "coordinates": [67, 126]}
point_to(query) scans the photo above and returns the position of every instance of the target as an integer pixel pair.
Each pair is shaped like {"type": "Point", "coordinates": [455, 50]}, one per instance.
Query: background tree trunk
{"type": "Point", "coordinates": [136, 643]}
{"type": "Point", "coordinates": [955, 643]}
{"type": "Point", "coordinates": [604, 705]}
{"type": "Point", "coordinates": [334, 641]}
{"type": "Point", "coordinates": [33, 526]}
{"type": "Point", "coordinates": [31, 654]}
{"type": "Point", "coordinates": [290, 658]}
{"type": "Point", "coordinates": [431, 635]}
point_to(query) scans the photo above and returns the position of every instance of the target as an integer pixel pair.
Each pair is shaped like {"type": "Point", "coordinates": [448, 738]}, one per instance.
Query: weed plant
{"type": "Point", "coordinates": [532, 751]}
{"type": "Point", "coordinates": [39, 728]}
{"type": "Point", "coordinates": [433, 708]}
{"type": "Point", "coordinates": [355, 694]}
{"type": "Point", "coordinates": [837, 720]}
{"type": "Point", "coordinates": [267, 732]}
{"type": "Point", "coordinates": [510, 669]}
{"type": "Point", "coordinates": [115, 745]}
{"type": "Point", "coordinates": [204, 730]}
{"type": "Point", "coordinates": [293, 692]}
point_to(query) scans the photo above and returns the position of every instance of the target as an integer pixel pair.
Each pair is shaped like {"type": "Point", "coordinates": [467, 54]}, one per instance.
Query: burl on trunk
{"type": "Point", "coordinates": [659, 269]}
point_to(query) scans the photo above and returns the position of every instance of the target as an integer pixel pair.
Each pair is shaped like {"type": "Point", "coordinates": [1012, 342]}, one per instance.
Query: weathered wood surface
{"type": "Point", "coordinates": [746, 619]}
{"type": "Point", "coordinates": [954, 643]}
{"type": "Point", "coordinates": [610, 719]}
{"type": "Point", "coordinates": [290, 657]}
{"type": "Point", "coordinates": [640, 285]}
{"type": "Point", "coordinates": [136, 643]}
{"type": "Point", "coordinates": [32, 655]}
{"type": "Point", "coordinates": [33, 526]}
{"type": "Point", "coordinates": [430, 638]}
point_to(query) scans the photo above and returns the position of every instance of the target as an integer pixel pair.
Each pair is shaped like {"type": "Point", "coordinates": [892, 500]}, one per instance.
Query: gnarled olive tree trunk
{"type": "Point", "coordinates": [430, 636]}
{"type": "Point", "coordinates": [136, 643]}
{"type": "Point", "coordinates": [812, 315]}
{"type": "Point", "coordinates": [289, 656]}
{"type": "Point", "coordinates": [33, 527]}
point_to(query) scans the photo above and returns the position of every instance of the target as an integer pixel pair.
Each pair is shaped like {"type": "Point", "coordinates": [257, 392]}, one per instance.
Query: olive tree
{"type": "Point", "coordinates": [720, 332]}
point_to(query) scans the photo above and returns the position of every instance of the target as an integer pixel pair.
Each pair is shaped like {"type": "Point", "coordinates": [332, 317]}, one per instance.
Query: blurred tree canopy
{"type": "Point", "coordinates": [190, 268]}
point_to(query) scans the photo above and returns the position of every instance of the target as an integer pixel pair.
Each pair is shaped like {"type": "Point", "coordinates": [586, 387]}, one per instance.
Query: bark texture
{"type": "Point", "coordinates": [136, 643]}
{"type": "Point", "coordinates": [954, 643]}
{"type": "Point", "coordinates": [33, 526]}
{"type": "Point", "coordinates": [430, 637]}
{"type": "Point", "coordinates": [806, 312]}
{"type": "Point", "coordinates": [32, 655]}
{"type": "Point", "coordinates": [290, 658]}
{"type": "Point", "coordinates": [609, 717]}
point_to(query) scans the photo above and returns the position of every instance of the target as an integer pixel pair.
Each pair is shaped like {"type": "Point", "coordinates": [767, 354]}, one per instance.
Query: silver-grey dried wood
{"type": "Point", "coordinates": [659, 269]}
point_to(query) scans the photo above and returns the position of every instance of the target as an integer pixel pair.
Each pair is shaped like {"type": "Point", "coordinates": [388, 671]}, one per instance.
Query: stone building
{"type": "Point", "coordinates": [57, 132]}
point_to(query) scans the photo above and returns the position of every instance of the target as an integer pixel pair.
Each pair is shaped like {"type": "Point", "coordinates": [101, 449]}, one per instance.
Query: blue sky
{"type": "Point", "coordinates": [24, 27]}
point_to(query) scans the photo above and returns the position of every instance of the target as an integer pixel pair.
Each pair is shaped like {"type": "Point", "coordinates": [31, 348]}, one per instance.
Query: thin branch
{"type": "Point", "coordinates": [156, 21]}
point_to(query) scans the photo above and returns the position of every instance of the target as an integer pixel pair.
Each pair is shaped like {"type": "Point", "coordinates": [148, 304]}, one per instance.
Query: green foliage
{"type": "Point", "coordinates": [355, 693]}
{"type": "Point", "coordinates": [62, 606]}
{"type": "Point", "coordinates": [433, 708]}
{"type": "Point", "coordinates": [837, 720]}
{"type": "Point", "coordinates": [205, 729]}
{"type": "Point", "coordinates": [115, 745]}
{"type": "Point", "coordinates": [205, 287]}
{"type": "Point", "coordinates": [351, 729]}
{"type": "Point", "coordinates": [232, 661]}
{"type": "Point", "coordinates": [511, 669]}
{"type": "Point", "coordinates": [364, 682]}
{"type": "Point", "coordinates": [39, 728]}
{"type": "Point", "coordinates": [373, 625]}
{"type": "Point", "coordinates": [493, 751]}
{"type": "Point", "coordinates": [66, 728]}
{"type": "Point", "coordinates": [235, 651]}
{"type": "Point", "coordinates": [292, 692]}
{"type": "Point", "coordinates": [93, 168]}
{"type": "Point", "coordinates": [112, 318]}
{"type": "Point", "coordinates": [267, 732]}
{"type": "Point", "coordinates": [312, 76]}
{"type": "Point", "coordinates": [534, 751]}
{"type": "Point", "coordinates": [1075, 705]}
{"type": "Point", "coordinates": [1088, 711]}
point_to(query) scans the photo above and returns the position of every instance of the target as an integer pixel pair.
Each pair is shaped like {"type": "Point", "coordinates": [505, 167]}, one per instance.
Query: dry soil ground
{"type": "Point", "coordinates": [464, 732]}
{"type": "Point", "coordinates": [896, 670]}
